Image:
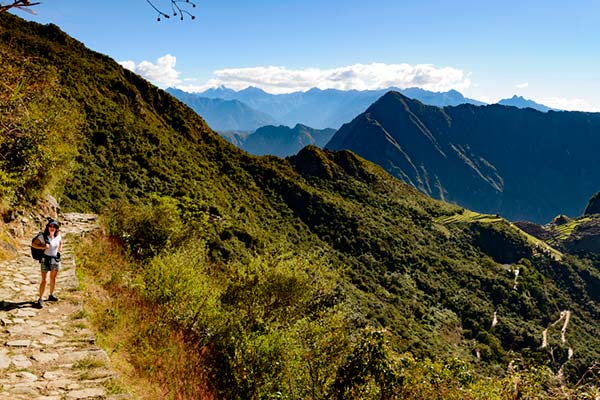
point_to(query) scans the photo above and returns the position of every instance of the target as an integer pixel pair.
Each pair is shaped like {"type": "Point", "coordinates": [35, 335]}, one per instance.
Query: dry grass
{"type": "Point", "coordinates": [153, 359]}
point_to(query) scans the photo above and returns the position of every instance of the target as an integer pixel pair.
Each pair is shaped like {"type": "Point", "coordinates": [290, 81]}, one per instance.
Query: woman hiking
{"type": "Point", "coordinates": [51, 261]}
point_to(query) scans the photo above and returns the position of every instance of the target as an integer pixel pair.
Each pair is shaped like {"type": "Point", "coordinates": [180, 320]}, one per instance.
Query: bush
{"type": "Point", "coordinates": [148, 228]}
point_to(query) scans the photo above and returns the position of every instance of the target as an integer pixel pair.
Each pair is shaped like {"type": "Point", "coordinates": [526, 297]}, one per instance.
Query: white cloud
{"type": "Point", "coordinates": [562, 103]}
{"type": "Point", "coordinates": [130, 65]}
{"type": "Point", "coordinates": [276, 79]}
{"type": "Point", "coordinates": [162, 73]}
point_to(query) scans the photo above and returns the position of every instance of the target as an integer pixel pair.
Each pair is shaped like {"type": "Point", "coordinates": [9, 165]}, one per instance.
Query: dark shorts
{"type": "Point", "coordinates": [49, 264]}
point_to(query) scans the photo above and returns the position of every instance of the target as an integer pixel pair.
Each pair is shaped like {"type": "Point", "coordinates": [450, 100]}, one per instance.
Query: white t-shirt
{"type": "Point", "coordinates": [54, 242]}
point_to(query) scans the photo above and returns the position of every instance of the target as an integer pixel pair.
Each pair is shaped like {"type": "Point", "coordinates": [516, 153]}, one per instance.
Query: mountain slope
{"type": "Point", "coordinates": [493, 159]}
{"type": "Point", "coordinates": [265, 232]}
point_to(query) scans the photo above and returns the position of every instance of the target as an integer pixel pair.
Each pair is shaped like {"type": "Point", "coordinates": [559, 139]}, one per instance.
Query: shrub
{"type": "Point", "coordinates": [147, 228]}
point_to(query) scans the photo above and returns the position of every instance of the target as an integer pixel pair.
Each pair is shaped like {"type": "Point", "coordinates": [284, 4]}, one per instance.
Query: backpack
{"type": "Point", "coordinates": [39, 240]}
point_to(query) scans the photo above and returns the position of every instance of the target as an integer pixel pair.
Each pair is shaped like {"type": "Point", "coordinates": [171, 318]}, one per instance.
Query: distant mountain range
{"type": "Point", "coordinates": [520, 163]}
{"type": "Point", "coordinates": [521, 102]}
{"type": "Point", "coordinates": [238, 114]}
{"type": "Point", "coordinates": [316, 108]}
{"type": "Point", "coordinates": [279, 140]}
{"type": "Point", "coordinates": [224, 114]}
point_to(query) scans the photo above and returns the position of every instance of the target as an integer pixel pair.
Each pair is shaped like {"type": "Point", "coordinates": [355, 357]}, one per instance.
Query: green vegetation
{"type": "Point", "coordinates": [470, 217]}
{"type": "Point", "coordinates": [564, 231]}
{"type": "Point", "coordinates": [317, 276]}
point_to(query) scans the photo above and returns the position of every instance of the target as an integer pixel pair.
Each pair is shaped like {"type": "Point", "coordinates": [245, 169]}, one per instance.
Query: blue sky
{"type": "Point", "coordinates": [543, 50]}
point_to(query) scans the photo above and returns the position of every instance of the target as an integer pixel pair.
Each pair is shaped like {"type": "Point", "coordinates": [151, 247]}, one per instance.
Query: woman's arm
{"type": "Point", "coordinates": [40, 246]}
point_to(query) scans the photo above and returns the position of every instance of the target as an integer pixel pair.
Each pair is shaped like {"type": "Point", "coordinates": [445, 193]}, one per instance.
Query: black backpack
{"type": "Point", "coordinates": [38, 239]}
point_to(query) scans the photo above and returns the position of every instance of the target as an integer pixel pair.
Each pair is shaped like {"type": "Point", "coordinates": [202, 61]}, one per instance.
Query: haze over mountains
{"type": "Point", "coordinates": [315, 108]}
{"type": "Point", "coordinates": [226, 109]}
{"type": "Point", "coordinates": [281, 140]}
{"type": "Point", "coordinates": [521, 163]}
{"type": "Point", "coordinates": [521, 102]}
{"type": "Point", "coordinates": [225, 114]}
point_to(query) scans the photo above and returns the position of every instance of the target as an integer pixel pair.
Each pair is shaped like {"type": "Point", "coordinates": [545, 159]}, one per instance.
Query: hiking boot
{"type": "Point", "coordinates": [52, 298]}
{"type": "Point", "coordinates": [38, 304]}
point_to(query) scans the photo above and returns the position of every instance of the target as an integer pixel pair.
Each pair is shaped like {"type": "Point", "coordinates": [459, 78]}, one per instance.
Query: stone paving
{"type": "Point", "coordinates": [50, 353]}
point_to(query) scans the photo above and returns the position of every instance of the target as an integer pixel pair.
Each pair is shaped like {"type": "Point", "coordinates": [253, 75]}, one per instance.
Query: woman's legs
{"type": "Point", "coordinates": [53, 274]}
{"type": "Point", "coordinates": [43, 283]}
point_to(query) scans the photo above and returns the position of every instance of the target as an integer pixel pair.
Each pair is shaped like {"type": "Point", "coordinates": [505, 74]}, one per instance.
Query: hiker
{"type": "Point", "coordinates": [51, 260]}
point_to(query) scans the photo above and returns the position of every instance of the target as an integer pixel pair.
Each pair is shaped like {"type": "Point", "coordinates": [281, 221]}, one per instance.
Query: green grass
{"type": "Point", "coordinates": [468, 217]}
{"type": "Point", "coordinates": [89, 363]}
{"type": "Point", "coordinates": [565, 230]}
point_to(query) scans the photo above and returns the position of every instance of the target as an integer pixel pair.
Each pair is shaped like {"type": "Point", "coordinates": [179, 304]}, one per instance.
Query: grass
{"type": "Point", "coordinates": [468, 216]}
{"type": "Point", "coordinates": [89, 363]}
{"type": "Point", "coordinates": [152, 359]}
{"type": "Point", "coordinates": [81, 314]}
{"type": "Point", "coordinates": [565, 230]}
{"type": "Point", "coordinates": [8, 244]}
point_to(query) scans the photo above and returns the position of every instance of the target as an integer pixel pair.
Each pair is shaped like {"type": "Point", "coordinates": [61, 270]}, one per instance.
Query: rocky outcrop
{"type": "Point", "coordinates": [593, 206]}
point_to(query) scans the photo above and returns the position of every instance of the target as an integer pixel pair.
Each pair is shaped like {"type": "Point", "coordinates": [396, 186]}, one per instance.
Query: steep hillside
{"type": "Point", "coordinates": [282, 273]}
{"type": "Point", "coordinates": [521, 163]}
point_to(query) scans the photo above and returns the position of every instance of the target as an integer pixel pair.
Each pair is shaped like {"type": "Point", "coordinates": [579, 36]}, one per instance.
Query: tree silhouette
{"type": "Point", "coordinates": [177, 8]}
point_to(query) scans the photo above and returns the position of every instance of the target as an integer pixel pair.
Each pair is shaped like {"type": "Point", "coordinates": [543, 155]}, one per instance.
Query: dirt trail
{"type": "Point", "coordinates": [50, 353]}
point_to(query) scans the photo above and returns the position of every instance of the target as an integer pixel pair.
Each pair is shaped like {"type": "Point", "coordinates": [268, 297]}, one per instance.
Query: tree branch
{"type": "Point", "coordinates": [17, 4]}
{"type": "Point", "coordinates": [176, 9]}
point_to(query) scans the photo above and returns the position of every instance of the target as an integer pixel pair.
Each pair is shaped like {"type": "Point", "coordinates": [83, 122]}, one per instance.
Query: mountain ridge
{"type": "Point", "coordinates": [477, 156]}
{"type": "Point", "coordinates": [280, 141]}
{"type": "Point", "coordinates": [224, 115]}
{"type": "Point", "coordinates": [324, 108]}
{"type": "Point", "coordinates": [521, 102]}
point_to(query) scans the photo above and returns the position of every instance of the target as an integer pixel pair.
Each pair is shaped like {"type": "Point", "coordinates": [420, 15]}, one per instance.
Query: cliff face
{"type": "Point", "coordinates": [593, 206]}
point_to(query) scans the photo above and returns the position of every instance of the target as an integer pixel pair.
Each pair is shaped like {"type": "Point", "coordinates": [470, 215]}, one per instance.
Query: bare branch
{"type": "Point", "coordinates": [176, 9]}
{"type": "Point", "coordinates": [22, 4]}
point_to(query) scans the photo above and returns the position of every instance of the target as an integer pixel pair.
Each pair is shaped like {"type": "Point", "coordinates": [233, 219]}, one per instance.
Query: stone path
{"type": "Point", "coordinates": [50, 354]}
